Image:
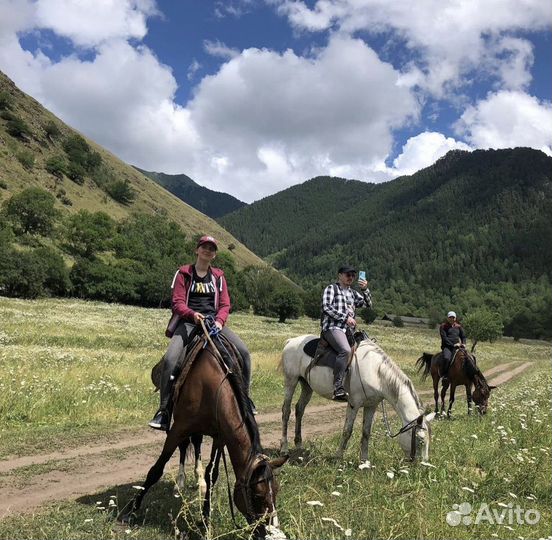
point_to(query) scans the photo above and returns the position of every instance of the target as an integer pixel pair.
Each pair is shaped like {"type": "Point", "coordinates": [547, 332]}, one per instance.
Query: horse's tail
{"type": "Point", "coordinates": [280, 366]}
{"type": "Point", "coordinates": [424, 362]}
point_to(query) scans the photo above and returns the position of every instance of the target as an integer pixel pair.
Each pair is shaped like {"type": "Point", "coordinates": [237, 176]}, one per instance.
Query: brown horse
{"type": "Point", "coordinates": [213, 401]}
{"type": "Point", "coordinates": [463, 370]}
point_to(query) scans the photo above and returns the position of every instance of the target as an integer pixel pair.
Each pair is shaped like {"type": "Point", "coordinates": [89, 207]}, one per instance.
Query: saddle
{"type": "Point", "coordinates": [322, 353]}
{"type": "Point", "coordinates": [197, 343]}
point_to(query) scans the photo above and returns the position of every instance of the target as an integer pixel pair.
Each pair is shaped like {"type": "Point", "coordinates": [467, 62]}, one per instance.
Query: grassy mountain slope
{"type": "Point", "coordinates": [214, 204]}
{"type": "Point", "coordinates": [23, 164]}
{"type": "Point", "coordinates": [461, 228]}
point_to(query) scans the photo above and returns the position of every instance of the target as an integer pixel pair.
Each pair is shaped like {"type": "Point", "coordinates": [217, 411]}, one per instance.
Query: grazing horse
{"type": "Point", "coordinates": [372, 377]}
{"type": "Point", "coordinates": [463, 370]}
{"type": "Point", "coordinates": [212, 400]}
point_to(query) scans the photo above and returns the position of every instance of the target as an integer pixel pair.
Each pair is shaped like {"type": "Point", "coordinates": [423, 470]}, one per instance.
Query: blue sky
{"type": "Point", "coordinates": [252, 96]}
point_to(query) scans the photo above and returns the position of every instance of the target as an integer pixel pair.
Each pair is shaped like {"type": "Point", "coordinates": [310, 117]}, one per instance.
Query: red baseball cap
{"type": "Point", "coordinates": [207, 240]}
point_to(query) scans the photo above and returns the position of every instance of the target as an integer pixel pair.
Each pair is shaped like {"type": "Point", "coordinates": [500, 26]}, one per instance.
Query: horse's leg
{"type": "Point", "coordinates": [451, 399]}
{"type": "Point", "coordinates": [304, 398]}
{"type": "Point", "coordinates": [197, 439]}
{"type": "Point", "coordinates": [435, 378]}
{"type": "Point", "coordinates": [367, 421]}
{"type": "Point", "coordinates": [469, 397]}
{"type": "Point", "coordinates": [347, 429]}
{"type": "Point", "coordinates": [211, 475]}
{"type": "Point", "coordinates": [181, 480]}
{"type": "Point", "coordinates": [171, 443]}
{"type": "Point", "coordinates": [290, 386]}
{"type": "Point", "coordinates": [444, 389]}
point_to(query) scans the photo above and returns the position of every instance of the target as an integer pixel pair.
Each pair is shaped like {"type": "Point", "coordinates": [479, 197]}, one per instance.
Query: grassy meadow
{"type": "Point", "coordinates": [74, 370]}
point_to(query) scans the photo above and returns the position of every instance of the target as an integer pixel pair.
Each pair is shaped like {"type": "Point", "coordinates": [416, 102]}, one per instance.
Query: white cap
{"type": "Point", "coordinates": [451, 314]}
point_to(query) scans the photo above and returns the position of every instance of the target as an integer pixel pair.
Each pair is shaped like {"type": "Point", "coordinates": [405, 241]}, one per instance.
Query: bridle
{"type": "Point", "coordinates": [245, 486]}
{"type": "Point", "coordinates": [413, 426]}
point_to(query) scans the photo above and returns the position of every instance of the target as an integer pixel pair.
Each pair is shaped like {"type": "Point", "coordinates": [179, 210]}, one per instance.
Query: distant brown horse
{"type": "Point", "coordinates": [213, 401]}
{"type": "Point", "coordinates": [463, 370]}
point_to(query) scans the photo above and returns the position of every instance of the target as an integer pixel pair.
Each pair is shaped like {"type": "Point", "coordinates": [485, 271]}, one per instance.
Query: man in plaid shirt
{"type": "Point", "coordinates": [338, 316]}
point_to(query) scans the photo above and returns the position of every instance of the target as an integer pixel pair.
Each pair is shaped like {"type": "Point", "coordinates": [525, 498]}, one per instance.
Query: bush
{"type": "Point", "coordinates": [21, 274]}
{"type": "Point", "coordinates": [18, 128]}
{"type": "Point", "coordinates": [52, 130]}
{"type": "Point", "coordinates": [483, 325]}
{"type": "Point", "coordinates": [368, 315]}
{"type": "Point", "coordinates": [57, 166]}
{"type": "Point", "coordinates": [56, 279]}
{"type": "Point", "coordinates": [6, 101]}
{"type": "Point", "coordinates": [285, 303]}
{"type": "Point", "coordinates": [26, 158]}
{"type": "Point", "coordinates": [32, 211]}
{"type": "Point", "coordinates": [75, 172]}
{"type": "Point", "coordinates": [398, 322]}
{"type": "Point", "coordinates": [121, 191]}
{"type": "Point", "coordinates": [96, 280]}
{"type": "Point", "coordinates": [87, 233]}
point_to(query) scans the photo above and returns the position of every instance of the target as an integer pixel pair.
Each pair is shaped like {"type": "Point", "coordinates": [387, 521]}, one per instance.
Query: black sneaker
{"type": "Point", "coordinates": [160, 421]}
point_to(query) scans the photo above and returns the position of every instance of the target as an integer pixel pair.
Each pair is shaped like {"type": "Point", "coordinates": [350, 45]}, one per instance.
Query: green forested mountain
{"type": "Point", "coordinates": [214, 204]}
{"type": "Point", "coordinates": [473, 230]}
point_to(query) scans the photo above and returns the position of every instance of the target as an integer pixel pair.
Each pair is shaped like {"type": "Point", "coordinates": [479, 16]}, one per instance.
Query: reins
{"type": "Point", "coordinates": [413, 426]}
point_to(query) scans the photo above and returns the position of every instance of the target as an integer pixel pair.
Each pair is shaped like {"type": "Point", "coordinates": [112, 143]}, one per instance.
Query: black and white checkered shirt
{"type": "Point", "coordinates": [339, 303]}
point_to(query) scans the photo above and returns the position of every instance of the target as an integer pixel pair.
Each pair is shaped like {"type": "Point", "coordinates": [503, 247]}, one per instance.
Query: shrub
{"type": "Point", "coordinates": [121, 191]}
{"type": "Point", "coordinates": [285, 303]}
{"type": "Point", "coordinates": [57, 166]}
{"type": "Point", "coordinates": [56, 279]}
{"type": "Point", "coordinates": [368, 315]}
{"type": "Point", "coordinates": [483, 325]}
{"type": "Point", "coordinates": [32, 211]}
{"type": "Point", "coordinates": [76, 173]}
{"type": "Point", "coordinates": [6, 101]}
{"type": "Point", "coordinates": [52, 130]}
{"type": "Point", "coordinates": [398, 322]}
{"type": "Point", "coordinates": [21, 274]}
{"type": "Point", "coordinates": [87, 233]}
{"type": "Point", "coordinates": [26, 158]}
{"type": "Point", "coordinates": [18, 128]}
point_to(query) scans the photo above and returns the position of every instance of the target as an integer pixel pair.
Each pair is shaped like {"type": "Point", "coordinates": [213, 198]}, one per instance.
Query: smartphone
{"type": "Point", "coordinates": [362, 275]}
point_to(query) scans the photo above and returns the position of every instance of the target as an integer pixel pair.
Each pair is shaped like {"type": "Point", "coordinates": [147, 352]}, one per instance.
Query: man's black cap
{"type": "Point", "coordinates": [345, 269]}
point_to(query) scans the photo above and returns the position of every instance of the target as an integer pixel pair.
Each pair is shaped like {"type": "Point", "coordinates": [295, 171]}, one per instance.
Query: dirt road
{"type": "Point", "coordinates": [123, 459]}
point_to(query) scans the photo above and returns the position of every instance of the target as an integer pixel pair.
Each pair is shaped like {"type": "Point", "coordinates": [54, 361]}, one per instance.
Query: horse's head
{"type": "Point", "coordinates": [415, 437]}
{"type": "Point", "coordinates": [481, 393]}
{"type": "Point", "coordinates": [255, 496]}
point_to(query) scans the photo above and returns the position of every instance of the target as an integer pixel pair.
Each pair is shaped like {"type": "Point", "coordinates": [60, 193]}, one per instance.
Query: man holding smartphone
{"type": "Point", "coordinates": [339, 302]}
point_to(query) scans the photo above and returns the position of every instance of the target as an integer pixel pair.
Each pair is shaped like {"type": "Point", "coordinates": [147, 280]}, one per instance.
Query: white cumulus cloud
{"type": "Point", "coordinates": [506, 119]}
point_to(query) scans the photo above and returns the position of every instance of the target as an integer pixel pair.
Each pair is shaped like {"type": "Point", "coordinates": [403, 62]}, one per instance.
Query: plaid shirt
{"type": "Point", "coordinates": [339, 303]}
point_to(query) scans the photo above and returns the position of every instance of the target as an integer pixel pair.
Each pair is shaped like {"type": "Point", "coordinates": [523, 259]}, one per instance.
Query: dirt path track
{"type": "Point", "coordinates": [89, 469]}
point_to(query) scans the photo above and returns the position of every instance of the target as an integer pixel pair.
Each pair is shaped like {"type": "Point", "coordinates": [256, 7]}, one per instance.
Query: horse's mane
{"type": "Point", "coordinates": [392, 375]}
{"type": "Point", "coordinates": [472, 371]}
{"type": "Point", "coordinates": [239, 386]}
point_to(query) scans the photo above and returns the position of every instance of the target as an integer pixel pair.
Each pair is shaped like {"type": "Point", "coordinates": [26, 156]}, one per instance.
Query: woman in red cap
{"type": "Point", "coordinates": [199, 290]}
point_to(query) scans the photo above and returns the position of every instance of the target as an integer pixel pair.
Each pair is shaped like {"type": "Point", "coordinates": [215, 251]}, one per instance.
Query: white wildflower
{"type": "Point", "coordinates": [315, 503]}
{"type": "Point", "coordinates": [468, 489]}
{"type": "Point", "coordinates": [390, 474]}
{"type": "Point", "coordinates": [426, 464]}
{"type": "Point", "coordinates": [336, 494]}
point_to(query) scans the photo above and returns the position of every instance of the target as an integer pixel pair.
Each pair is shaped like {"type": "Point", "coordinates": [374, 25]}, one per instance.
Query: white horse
{"type": "Point", "coordinates": [372, 377]}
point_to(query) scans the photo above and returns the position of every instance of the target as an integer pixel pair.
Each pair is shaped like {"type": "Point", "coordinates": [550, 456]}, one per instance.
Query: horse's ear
{"type": "Point", "coordinates": [429, 417]}
{"type": "Point", "coordinates": [277, 463]}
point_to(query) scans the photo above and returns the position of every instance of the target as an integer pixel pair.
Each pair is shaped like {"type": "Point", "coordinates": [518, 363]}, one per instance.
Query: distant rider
{"type": "Point", "coordinates": [338, 319]}
{"type": "Point", "coordinates": [452, 338]}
